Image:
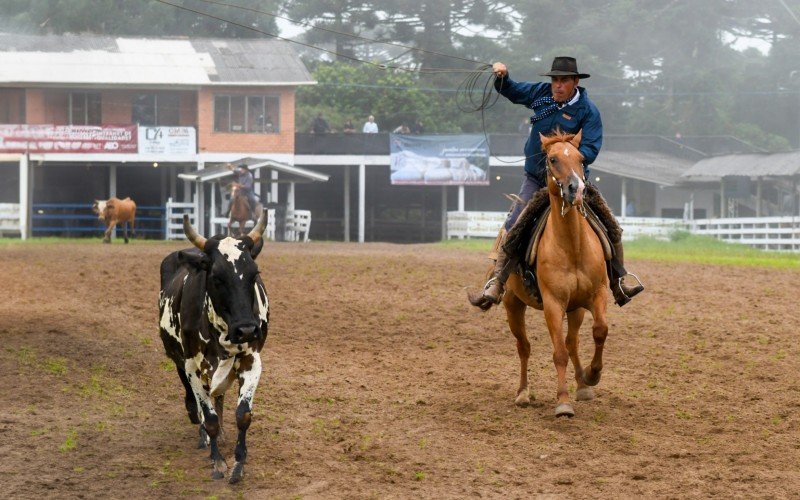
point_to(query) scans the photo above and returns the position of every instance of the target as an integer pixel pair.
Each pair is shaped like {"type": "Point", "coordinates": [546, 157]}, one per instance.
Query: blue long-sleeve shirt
{"type": "Point", "coordinates": [245, 179]}
{"type": "Point", "coordinates": [583, 115]}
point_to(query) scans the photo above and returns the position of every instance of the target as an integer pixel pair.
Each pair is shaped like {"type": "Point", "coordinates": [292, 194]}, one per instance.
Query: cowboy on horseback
{"type": "Point", "coordinates": [560, 105]}
{"type": "Point", "coordinates": [245, 180]}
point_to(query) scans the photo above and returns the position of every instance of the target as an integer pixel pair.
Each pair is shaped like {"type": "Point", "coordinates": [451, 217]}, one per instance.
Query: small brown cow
{"type": "Point", "coordinates": [115, 211]}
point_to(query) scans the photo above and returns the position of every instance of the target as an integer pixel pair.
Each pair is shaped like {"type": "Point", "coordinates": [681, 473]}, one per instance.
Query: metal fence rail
{"type": "Point", "coordinates": [77, 219]}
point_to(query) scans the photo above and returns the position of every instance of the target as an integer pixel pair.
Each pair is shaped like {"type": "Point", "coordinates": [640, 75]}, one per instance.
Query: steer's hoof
{"type": "Point", "coordinates": [236, 473]}
{"type": "Point", "coordinates": [584, 394]}
{"type": "Point", "coordinates": [565, 410]}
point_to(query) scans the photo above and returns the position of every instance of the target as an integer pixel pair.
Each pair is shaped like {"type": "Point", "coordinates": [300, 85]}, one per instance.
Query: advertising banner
{"type": "Point", "coordinates": [441, 160]}
{"type": "Point", "coordinates": [167, 140]}
{"type": "Point", "coordinates": [67, 139]}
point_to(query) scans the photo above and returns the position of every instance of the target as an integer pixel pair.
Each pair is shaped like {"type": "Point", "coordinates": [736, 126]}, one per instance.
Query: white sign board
{"type": "Point", "coordinates": [167, 140]}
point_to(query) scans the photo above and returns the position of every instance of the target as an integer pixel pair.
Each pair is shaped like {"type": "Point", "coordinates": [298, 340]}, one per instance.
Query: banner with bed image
{"type": "Point", "coordinates": [439, 160]}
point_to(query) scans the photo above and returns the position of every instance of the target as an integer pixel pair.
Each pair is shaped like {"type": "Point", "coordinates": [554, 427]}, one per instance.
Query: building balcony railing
{"type": "Point", "coordinates": [513, 144]}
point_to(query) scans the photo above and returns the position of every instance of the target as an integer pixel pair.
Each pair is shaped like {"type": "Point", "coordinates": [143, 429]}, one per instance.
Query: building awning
{"type": "Point", "coordinates": [658, 168]}
{"type": "Point", "coordinates": [744, 165]}
{"type": "Point", "coordinates": [288, 173]}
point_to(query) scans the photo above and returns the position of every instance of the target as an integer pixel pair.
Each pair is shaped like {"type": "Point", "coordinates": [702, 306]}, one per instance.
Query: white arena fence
{"type": "Point", "coordinates": [766, 233]}
{"type": "Point", "coordinates": [9, 219]}
{"type": "Point", "coordinates": [173, 224]}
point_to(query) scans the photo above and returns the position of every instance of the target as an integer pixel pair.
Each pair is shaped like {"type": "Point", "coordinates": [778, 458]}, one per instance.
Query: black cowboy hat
{"type": "Point", "coordinates": [565, 66]}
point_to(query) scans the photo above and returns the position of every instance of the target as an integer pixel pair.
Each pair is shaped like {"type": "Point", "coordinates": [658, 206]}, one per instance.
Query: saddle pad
{"type": "Point", "coordinates": [591, 218]}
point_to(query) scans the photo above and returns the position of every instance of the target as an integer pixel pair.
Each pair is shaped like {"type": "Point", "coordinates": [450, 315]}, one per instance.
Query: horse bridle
{"type": "Point", "coordinates": [549, 170]}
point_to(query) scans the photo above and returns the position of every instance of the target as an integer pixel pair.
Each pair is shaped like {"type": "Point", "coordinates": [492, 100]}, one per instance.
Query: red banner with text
{"type": "Point", "coordinates": [68, 139]}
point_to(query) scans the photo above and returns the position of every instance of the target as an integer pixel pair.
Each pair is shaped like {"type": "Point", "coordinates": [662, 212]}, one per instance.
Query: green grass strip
{"type": "Point", "coordinates": [682, 247]}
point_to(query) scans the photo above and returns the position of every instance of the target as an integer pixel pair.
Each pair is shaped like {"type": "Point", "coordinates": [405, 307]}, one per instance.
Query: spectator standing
{"type": "Point", "coordinates": [370, 127]}
{"type": "Point", "coordinates": [320, 125]}
{"type": "Point", "coordinates": [348, 127]}
{"type": "Point", "coordinates": [417, 127]}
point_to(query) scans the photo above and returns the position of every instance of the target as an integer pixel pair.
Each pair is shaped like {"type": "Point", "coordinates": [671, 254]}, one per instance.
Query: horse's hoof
{"type": "Point", "coordinates": [565, 410]}
{"type": "Point", "coordinates": [236, 473]}
{"type": "Point", "coordinates": [106, 241]}
{"type": "Point", "coordinates": [523, 399]}
{"type": "Point", "coordinates": [584, 394]}
{"type": "Point", "coordinates": [217, 475]}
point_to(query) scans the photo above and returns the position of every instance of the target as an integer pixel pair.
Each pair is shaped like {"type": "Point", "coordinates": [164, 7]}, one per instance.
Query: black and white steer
{"type": "Point", "coordinates": [214, 314]}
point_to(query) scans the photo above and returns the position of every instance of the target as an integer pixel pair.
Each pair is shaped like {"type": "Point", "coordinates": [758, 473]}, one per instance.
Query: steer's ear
{"type": "Point", "coordinates": [255, 248]}
{"type": "Point", "coordinates": [193, 258]}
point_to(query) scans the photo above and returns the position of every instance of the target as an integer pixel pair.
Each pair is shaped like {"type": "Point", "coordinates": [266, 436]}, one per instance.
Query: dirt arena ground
{"type": "Point", "coordinates": [380, 381]}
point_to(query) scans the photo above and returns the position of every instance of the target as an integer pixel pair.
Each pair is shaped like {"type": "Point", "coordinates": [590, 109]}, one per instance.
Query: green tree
{"type": "Point", "coordinates": [133, 18]}
{"type": "Point", "coordinates": [348, 91]}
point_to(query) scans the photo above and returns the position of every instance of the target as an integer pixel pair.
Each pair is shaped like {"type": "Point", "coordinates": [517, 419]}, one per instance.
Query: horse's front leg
{"type": "Point", "coordinates": [249, 372]}
{"type": "Point", "coordinates": [591, 376]}
{"type": "Point", "coordinates": [574, 321]}
{"type": "Point", "coordinates": [554, 317]}
{"type": "Point", "coordinates": [210, 420]}
{"type": "Point", "coordinates": [515, 312]}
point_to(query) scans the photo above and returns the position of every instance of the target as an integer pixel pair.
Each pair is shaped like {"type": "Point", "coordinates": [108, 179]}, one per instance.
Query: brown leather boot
{"type": "Point", "coordinates": [623, 293]}
{"type": "Point", "coordinates": [494, 288]}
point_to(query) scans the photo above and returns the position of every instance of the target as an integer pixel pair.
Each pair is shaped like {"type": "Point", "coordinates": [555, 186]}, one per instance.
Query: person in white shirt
{"type": "Point", "coordinates": [370, 127]}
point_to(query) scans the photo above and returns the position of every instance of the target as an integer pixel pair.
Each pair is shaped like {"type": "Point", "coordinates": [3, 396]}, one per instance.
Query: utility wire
{"type": "Point", "coordinates": [351, 35]}
{"type": "Point", "coordinates": [332, 52]}
{"type": "Point", "coordinates": [791, 13]}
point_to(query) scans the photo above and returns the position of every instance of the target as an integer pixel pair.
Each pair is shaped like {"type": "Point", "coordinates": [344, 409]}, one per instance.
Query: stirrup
{"type": "Point", "coordinates": [619, 284]}
{"type": "Point", "coordinates": [488, 285]}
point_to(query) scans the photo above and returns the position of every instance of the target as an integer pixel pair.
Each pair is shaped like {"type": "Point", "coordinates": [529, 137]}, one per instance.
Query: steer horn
{"type": "Point", "coordinates": [192, 234]}
{"type": "Point", "coordinates": [258, 230]}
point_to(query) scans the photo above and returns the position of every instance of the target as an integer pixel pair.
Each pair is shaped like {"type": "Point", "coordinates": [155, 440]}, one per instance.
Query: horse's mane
{"type": "Point", "coordinates": [555, 137]}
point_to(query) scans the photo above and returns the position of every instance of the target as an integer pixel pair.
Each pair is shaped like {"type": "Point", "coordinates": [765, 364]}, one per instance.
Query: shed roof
{"type": "Point", "coordinates": [657, 168]}
{"type": "Point", "coordinates": [289, 173]}
{"type": "Point", "coordinates": [105, 60]}
{"type": "Point", "coordinates": [744, 165]}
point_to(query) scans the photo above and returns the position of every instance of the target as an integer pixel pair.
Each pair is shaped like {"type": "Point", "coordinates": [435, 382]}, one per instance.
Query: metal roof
{"type": "Point", "coordinates": [744, 165]}
{"type": "Point", "coordinates": [657, 168]}
{"type": "Point", "coordinates": [289, 173]}
{"type": "Point", "coordinates": [104, 60]}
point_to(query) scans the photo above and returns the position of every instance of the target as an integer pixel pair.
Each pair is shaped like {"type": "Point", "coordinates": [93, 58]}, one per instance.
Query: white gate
{"type": "Point", "coordinates": [174, 218]}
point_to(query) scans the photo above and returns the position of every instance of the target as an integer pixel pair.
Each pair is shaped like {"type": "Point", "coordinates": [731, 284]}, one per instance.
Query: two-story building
{"type": "Point", "coordinates": [88, 117]}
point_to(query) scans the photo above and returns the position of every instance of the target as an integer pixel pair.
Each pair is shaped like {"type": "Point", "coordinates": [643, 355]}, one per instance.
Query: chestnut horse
{"type": "Point", "coordinates": [572, 278]}
{"type": "Point", "coordinates": [240, 209]}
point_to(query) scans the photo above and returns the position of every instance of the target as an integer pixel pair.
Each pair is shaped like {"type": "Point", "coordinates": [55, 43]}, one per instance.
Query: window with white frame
{"type": "Point", "coordinates": [84, 108]}
{"type": "Point", "coordinates": [156, 109]}
{"type": "Point", "coordinates": [249, 114]}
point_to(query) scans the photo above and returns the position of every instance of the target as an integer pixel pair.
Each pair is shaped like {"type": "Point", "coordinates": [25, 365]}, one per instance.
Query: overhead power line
{"type": "Point", "coordinates": [332, 52]}
{"type": "Point", "coordinates": [350, 35]}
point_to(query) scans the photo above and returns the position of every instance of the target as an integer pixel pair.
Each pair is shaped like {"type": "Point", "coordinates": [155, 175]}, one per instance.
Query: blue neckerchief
{"type": "Point", "coordinates": [544, 107]}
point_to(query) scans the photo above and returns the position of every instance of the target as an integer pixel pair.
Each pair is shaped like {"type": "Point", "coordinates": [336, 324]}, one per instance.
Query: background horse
{"type": "Point", "coordinates": [571, 272]}
{"type": "Point", "coordinates": [115, 211]}
{"type": "Point", "coordinates": [240, 209]}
